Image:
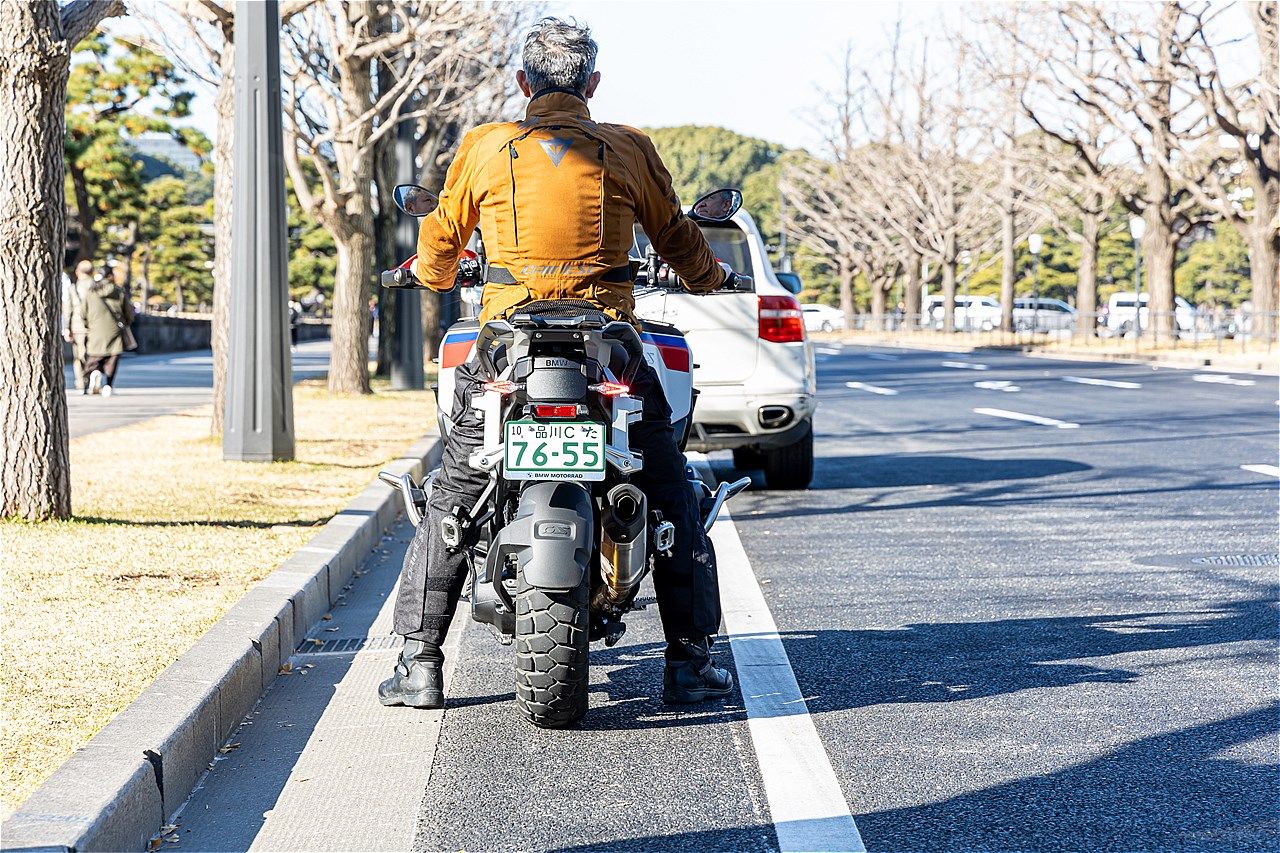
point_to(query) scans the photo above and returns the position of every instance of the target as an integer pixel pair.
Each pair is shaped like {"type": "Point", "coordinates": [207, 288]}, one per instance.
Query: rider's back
{"type": "Point", "coordinates": [555, 197]}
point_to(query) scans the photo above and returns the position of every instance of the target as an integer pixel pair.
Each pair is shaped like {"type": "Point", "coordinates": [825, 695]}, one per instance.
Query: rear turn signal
{"type": "Point", "coordinates": [781, 320]}
{"type": "Point", "coordinates": [611, 389]}
{"type": "Point", "coordinates": [541, 410]}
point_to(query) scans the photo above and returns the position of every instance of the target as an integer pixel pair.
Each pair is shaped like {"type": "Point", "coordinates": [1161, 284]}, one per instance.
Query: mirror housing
{"type": "Point", "coordinates": [415, 200]}
{"type": "Point", "coordinates": [716, 206]}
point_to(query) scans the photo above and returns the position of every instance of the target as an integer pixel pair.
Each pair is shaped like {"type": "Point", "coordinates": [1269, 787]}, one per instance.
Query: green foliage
{"type": "Point", "coordinates": [312, 253]}
{"type": "Point", "coordinates": [179, 243]}
{"type": "Point", "coordinates": [1215, 271]}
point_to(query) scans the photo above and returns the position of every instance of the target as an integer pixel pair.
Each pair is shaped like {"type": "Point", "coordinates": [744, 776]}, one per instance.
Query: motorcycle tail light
{"type": "Point", "coordinates": [611, 389]}
{"type": "Point", "coordinates": [545, 410]}
{"type": "Point", "coordinates": [502, 386]}
{"type": "Point", "coordinates": [781, 320]}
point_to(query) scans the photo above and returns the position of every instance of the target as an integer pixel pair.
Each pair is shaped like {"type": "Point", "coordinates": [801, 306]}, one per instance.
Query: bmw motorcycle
{"type": "Point", "coordinates": [560, 541]}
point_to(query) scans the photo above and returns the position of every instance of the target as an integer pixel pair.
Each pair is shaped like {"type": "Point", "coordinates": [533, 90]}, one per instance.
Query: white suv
{"type": "Point", "coordinates": [753, 365]}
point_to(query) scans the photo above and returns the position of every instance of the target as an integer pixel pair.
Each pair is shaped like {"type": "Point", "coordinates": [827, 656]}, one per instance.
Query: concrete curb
{"type": "Point", "coordinates": [116, 792]}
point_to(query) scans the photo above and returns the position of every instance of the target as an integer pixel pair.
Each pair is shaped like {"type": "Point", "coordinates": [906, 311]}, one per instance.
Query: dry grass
{"type": "Point", "coordinates": [166, 537]}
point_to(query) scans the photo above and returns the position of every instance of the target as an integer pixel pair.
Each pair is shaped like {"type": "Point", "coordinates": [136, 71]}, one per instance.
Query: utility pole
{"type": "Point", "coordinates": [407, 345]}
{"type": "Point", "coordinates": [785, 257]}
{"type": "Point", "coordinates": [258, 426]}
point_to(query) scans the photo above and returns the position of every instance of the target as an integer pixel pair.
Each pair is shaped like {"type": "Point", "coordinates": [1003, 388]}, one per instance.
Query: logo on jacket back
{"type": "Point", "coordinates": [556, 147]}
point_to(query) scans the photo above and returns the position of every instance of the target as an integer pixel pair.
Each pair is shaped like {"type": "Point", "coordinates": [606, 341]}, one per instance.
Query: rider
{"type": "Point", "coordinates": [558, 225]}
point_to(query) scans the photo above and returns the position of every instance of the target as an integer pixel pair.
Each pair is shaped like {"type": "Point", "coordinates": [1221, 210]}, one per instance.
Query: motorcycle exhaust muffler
{"type": "Point", "coordinates": [623, 560]}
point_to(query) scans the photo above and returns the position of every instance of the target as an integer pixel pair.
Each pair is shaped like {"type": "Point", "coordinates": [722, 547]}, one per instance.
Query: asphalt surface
{"type": "Point", "coordinates": [148, 386]}
{"type": "Point", "coordinates": [1009, 635]}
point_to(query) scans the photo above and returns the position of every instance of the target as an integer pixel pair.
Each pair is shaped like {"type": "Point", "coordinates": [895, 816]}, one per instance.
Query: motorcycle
{"type": "Point", "coordinates": [560, 541]}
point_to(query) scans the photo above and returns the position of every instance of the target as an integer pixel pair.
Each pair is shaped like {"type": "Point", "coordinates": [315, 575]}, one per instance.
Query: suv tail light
{"type": "Point", "coordinates": [781, 320]}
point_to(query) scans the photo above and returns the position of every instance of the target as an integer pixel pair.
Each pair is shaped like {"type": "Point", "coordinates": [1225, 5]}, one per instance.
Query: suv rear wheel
{"type": "Point", "coordinates": [789, 467]}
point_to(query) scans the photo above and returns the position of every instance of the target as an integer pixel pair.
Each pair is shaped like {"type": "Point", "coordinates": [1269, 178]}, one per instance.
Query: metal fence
{"type": "Point", "coordinates": [1220, 330]}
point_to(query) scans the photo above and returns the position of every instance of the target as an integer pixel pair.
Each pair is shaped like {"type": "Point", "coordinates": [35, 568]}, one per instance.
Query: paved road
{"type": "Point", "coordinates": [151, 385]}
{"type": "Point", "coordinates": [1028, 605]}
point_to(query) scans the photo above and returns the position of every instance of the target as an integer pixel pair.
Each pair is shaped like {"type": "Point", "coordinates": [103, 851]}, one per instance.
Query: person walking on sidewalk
{"type": "Point", "coordinates": [74, 329]}
{"type": "Point", "coordinates": [107, 316]}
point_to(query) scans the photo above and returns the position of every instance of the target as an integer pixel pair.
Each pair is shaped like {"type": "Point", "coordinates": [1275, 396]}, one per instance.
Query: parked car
{"type": "Point", "coordinates": [973, 313]}
{"type": "Point", "coordinates": [1117, 314]}
{"type": "Point", "coordinates": [822, 318]}
{"type": "Point", "coordinates": [753, 365]}
{"type": "Point", "coordinates": [1042, 315]}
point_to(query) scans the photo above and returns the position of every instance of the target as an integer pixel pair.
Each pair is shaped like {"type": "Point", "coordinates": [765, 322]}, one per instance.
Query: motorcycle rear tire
{"type": "Point", "coordinates": [552, 654]}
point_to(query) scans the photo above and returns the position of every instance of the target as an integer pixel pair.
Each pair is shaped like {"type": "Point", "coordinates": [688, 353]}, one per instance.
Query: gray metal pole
{"type": "Point", "coordinates": [259, 406]}
{"type": "Point", "coordinates": [406, 346]}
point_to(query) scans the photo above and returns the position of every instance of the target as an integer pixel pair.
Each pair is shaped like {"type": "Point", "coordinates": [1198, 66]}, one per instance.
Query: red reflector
{"type": "Point", "coordinates": [781, 320]}
{"type": "Point", "coordinates": [675, 358]}
{"type": "Point", "coordinates": [545, 411]}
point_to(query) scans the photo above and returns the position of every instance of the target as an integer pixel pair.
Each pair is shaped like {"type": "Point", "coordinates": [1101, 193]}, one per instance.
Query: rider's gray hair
{"type": "Point", "coordinates": [558, 53]}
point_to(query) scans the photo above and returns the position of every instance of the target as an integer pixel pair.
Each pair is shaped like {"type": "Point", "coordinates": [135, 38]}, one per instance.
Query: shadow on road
{"type": "Point", "coordinates": [894, 470]}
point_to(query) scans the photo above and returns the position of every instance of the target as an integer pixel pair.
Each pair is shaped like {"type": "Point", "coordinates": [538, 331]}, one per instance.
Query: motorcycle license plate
{"type": "Point", "coordinates": [554, 451]}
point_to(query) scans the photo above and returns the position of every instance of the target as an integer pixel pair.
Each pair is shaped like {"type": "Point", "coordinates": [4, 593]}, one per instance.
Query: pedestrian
{"type": "Point", "coordinates": [295, 321]}
{"type": "Point", "coordinates": [73, 327]}
{"type": "Point", "coordinates": [107, 315]}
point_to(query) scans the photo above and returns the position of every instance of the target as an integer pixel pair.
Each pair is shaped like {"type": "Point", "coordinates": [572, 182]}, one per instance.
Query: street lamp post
{"type": "Point", "coordinates": [258, 426]}
{"type": "Point", "coordinates": [1137, 227]}
{"type": "Point", "coordinates": [1035, 243]}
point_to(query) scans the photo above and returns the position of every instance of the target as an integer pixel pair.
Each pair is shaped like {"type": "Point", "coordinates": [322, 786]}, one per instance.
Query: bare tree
{"type": "Point", "coordinates": [335, 117]}
{"type": "Point", "coordinates": [36, 41]}
{"type": "Point", "coordinates": [1246, 114]}
{"type": "Point", "coordinates": [1131, 83]}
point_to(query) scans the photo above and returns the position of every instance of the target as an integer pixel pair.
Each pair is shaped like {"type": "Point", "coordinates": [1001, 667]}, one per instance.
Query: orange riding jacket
{"type": "Point", "coordinates": [556, 197]}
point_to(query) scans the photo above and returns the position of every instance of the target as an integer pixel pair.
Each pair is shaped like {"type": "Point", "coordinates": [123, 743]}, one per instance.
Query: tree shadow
{"type": "Point", "coordinates": [205, 522]}
{"type": "Point", "coordinates": [898, 470]}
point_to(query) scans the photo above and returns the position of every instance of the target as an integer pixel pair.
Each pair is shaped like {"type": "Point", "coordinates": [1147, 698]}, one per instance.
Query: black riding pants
{"type": "Point", "coordinates": [686, 585]}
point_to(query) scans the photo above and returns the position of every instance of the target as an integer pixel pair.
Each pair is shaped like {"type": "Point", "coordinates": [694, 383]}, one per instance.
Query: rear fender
{"type": "Point", "coordinates": [552, 535]}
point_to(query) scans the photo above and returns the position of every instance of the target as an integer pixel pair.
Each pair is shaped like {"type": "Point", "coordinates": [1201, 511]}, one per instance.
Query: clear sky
{"type": "Point", "coordinates": [755, 67]}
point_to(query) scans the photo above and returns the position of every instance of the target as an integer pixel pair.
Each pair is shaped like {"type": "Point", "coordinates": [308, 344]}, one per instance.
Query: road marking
{"type": "Point", "coordinates": [1269, 470]}
{"type": "Point", "coordinates": [874, 389]}
{"type": "Point", "coordinates": [879, 356]}
{"type": "Point", "coordinates": [1220, 379]}
{"type": "Point", "coordinates": [1110, 383]}
{"type": "Point", "coordinates": [828, 350]}
{"type": "Point", "coordinates": [998, 385]}
{"type": "Point", "coordinates": [806, 805]}
{"type": "Point", "coordinates": [964, 365]}
{"type": "Point", "coordinates": [1031, 419]}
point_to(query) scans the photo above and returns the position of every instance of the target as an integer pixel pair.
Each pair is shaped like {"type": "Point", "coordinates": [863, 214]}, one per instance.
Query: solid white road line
{"type": "Point", "coordinates": [806, 805]}
{"type": "Point", "coordinates": [1269, 470]}
{"type": "Point", "coordinates": [874, 389]}
{"type": "Point", "coordinates": [1031, 419]}
{"type": "Point", "coordinates": [1110, 383]}
{"type": "Point", "coordinates": [880, 356]}
{"type": "Point", "coordinates": [964, 365]}
{"type": "Point", "coordinates": [828, 350]}
{"type": "Point", "coordinates": [998, 385]}
{"type": "Point", "coordinates": [1220, 379]}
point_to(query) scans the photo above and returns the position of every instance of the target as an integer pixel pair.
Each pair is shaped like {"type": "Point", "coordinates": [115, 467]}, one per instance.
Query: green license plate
{"type": "Point", "coordinates": [573, 450]}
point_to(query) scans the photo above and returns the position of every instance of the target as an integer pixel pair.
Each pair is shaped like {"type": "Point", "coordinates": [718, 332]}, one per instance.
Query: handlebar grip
{"type": "Point", "coordinates": [401, 278]}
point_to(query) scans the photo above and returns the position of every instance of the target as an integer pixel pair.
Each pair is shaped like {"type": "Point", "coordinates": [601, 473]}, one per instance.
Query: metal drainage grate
{"type": "Point", "coordinates": [1238, 560]}
{"type": "Point", "coordinates": [350, 645]}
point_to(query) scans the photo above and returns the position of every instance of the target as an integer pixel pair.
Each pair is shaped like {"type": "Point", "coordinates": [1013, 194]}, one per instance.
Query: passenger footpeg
{"type": "Point", "coordinates": [716, 501]}
{"type": "Point", "coordinates": [414, 497]}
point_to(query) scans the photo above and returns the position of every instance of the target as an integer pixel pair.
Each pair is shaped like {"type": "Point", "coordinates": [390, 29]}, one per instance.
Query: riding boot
{"type": "Point", "coordinates": [691, 676]}
{"type": "Point", "coordinates": [418, 680]}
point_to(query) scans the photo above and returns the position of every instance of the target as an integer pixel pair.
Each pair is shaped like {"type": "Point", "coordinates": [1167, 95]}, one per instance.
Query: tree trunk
{"type": "Point", "coordinates": [1264, 275]}
{"type": "Point", "coordinates": [35, 476]}
{"type": "Point", "coordinates": [349, 361]}
{"type": "Point", "coordinates": [1087, 275]}
{"type": "Point", "coordinates": [1008, 258]}
{"type": "Point", "coordinates": [847, 275]}
{"type": "Point", "coordinates": [85, 215]}
{"type": "Point", "coordinates": [1159, 256]}
{"type": "Point", "coordinates": [879, 294]}
{"type": "Point", "coordinates": [223, 189]}
{"type": "Point", "coordinates": [948, 296]}
{"type": "Point", "coordinates": [911, 290]}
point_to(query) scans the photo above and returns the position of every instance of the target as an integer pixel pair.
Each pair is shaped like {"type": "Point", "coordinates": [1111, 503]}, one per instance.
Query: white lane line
{"type": "Point", "coordinates": [964, 365]}
{"type": "Point", "coordinates": [806, 805]}
{"type": "Point", "coordinates": [998, 385]}
{"type": "Point", "coordinates": [874, 389]}
{"type": "Point", "coordinates": [828, 350]}
{"type": "Point", "coordinates": [1220, 379]}
{"type": "Point", "coordinates": [1269, 470]}
{"type": "Point", "coordinates": [879, 356]}
{"type": "Point", "coordinates": [1031, 419]}
{"type": "Point", "coordinates": [1109, 383]}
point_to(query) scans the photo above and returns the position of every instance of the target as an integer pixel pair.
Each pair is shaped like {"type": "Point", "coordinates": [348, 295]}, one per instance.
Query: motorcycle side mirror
{"type": "Point", "coordinates": [415, 200]}
{"type": "Point", "coordinates": [716, 206]}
